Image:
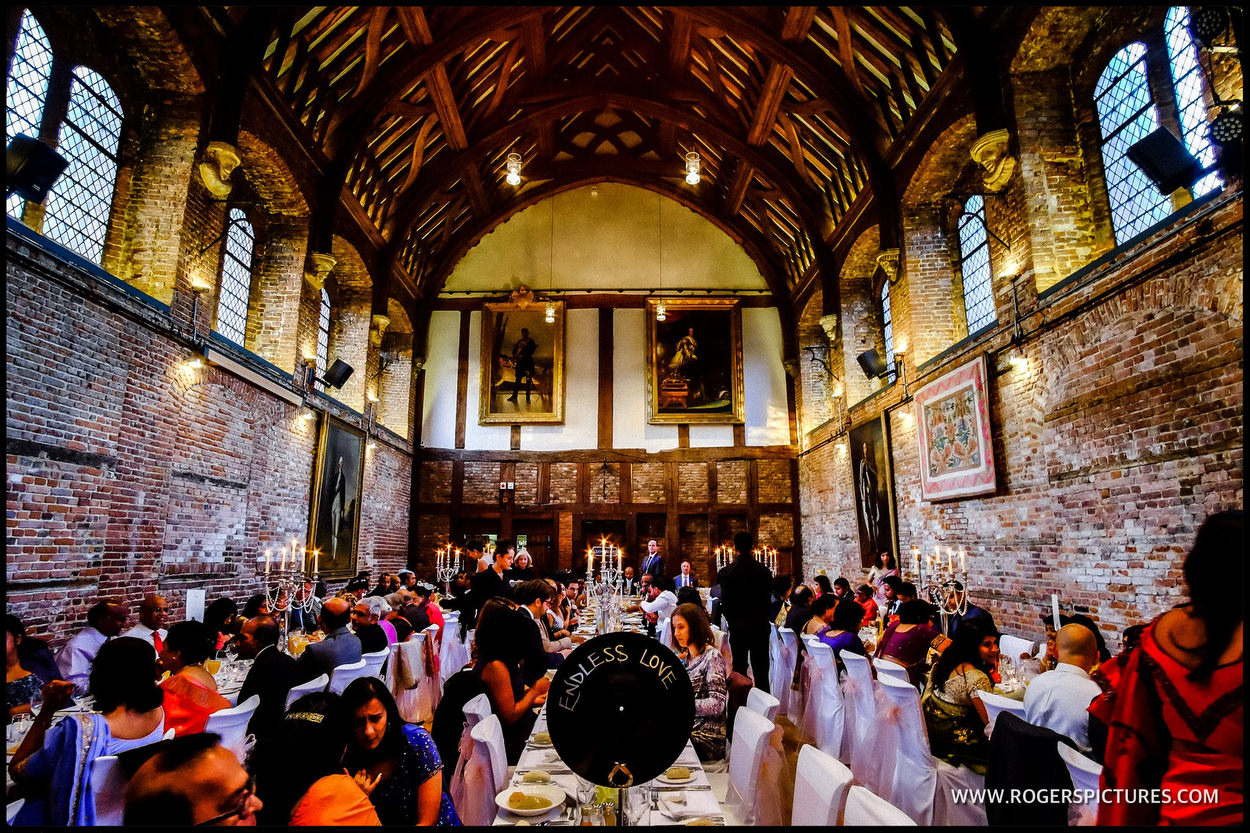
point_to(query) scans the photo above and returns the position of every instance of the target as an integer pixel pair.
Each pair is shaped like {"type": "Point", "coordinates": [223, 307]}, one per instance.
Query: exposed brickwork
{"type": "Point", "coordinates": [692, 485]}
{"type": "Point", "coordinates": [815, 387]}
{"type": "Point", "coordinates": [695, 548]}
{"type": "Point", "coordinates": [435, 482]}
{"type": "Point", "coordinates": [605, 482]}
{"type": "Point", "coordinates": [481, 483]}
{"type": "Point", "coordinates": [563, 483]}
{"type": "Point", "coordinates": [526, 484]}
{"type": "Point", "coordinates": [774, 481]}
{"type": "Point", "coordinates": [731, 481]}
{"type": "Point", "coordinates": [648, 483]}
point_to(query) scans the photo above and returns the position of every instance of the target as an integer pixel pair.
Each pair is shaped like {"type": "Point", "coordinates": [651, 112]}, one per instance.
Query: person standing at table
{"type": "Point", "coordinates": [153, 614]}
{"type": "Point", "coordinates": [105, 620]}
{"type": "Point", "coordinates": [653, 562]}
{"type": "Point", "coordinates": [685, 578]}
{"type": "Point", "coordinates": [746, 590]}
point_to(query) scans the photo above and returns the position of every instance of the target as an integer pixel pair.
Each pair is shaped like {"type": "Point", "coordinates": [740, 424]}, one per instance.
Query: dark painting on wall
{"type": "Point", "coordinates": [694, 361]}
{"type": "Point", "coordinates": [522, 373]}
{"type": "Point", "coordinates": [335, 521]}
{"type": "Point", "coordinates": [874, 491]}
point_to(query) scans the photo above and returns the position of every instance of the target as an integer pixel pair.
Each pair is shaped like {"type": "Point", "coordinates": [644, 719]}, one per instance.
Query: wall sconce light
{"type": "Point", "coordinates": [370, 446]}
{"type": "Point", "coordinates": [1017, 358]}
{"type": "Point", "coordinates": [306, 414]}
{"type": "Point", "coordinates": [661, 311]}
{"type": "Point", "coordinates": [550, 317]}
{"type": "Point", "coordinates": [195, 362]}
{"type": "Point", "coordinates": [692, 168]}
{"type": "Point", "coordinates": [513, 162]}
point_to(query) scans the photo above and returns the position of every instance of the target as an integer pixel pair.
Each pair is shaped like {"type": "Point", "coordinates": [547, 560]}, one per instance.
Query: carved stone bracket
{"type": "Point", "coordinates": [887, 259]}
{"type": "Point", "coordinates": [990, 152]}
{"type": "Point", "coordinates": [829, 323]}
{"type": "Point", "coordinates": [318, 269]}
{"type": "Point", "coordinates": [378, 328]}
{"type": "Point", "coordinates": [220, 160]}
{"type": "Point", "coordinates": [523, 296]}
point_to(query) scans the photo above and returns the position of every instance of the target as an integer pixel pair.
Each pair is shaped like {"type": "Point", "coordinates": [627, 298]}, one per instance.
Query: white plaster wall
{"type": "Point", "coordinates": [711, 436]}
{"type": "Point", "coordinates": [581, 390]}
{"type": "Point", "coordinates": [480, 437]}
{"type": "Point", "coordinates": [438, 414]}
{"type": "Point", "coordinates": [630, 428]}
{"type": "Point", "coordinates": [764, 379]}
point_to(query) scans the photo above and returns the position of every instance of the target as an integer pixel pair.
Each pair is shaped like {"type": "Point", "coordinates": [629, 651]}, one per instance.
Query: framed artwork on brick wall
{"type": "Point", "coordinates": [694, 361]}
{"type": "Point", "coordinates": [522, 365]}
{"type": "Point", "coordinates": [335, 519]}
{"type": "Point", "coordinates": [954, 434]}
{"type": "Point", "coordinates": [874, 491]}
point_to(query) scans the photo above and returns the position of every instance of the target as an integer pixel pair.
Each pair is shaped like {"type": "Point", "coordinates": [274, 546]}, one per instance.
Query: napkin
{"type": "Point", "coordinates": [689, 805]}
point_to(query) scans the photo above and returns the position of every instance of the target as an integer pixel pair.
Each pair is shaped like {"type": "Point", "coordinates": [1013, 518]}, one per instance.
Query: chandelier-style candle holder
{"type": "Point", "coordinates": [446, 565]}
{"type": "Point", "coordinates": [283, 586]}
{"type": "Point", "coordinates": [943, 586]}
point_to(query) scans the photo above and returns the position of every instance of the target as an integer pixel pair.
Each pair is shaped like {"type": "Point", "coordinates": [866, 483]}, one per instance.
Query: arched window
{"type": "Point", "coordinates": [323, 337]}
{"type": "Point", "coordinates": [887, 327]}
{"type": "Point", "coordinates": [26, 89]}
{"type": "Point", "coordinates": [1190, 106]}
{"type": "Point", "coordinates": [236, 278]}
{"type": "Point", "coordinates": [974, 260]}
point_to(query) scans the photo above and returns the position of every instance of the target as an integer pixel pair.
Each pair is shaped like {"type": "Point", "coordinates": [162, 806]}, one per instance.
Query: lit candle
{"type": "Point", "coordinates": [619, 560]}
{"type": "Point", "coordinates": [950, 561]}
{"type": "Point", "coordinates": [268, 557]}
{"type": "Point", "coordinates": [963, 566]}
{"type": "Point", "coordinates": [1054, 609]}
{"type": "Point", "coordinates": [316, 562]}
{"type": "Point", "coordinates": [590, 561]}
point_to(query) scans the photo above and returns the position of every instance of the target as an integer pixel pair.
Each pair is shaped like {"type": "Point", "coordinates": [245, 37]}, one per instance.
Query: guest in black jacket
{"type": "Point", "coordinates": [271, 676]}
{"type": "Point", "coordinates": [746, 590]}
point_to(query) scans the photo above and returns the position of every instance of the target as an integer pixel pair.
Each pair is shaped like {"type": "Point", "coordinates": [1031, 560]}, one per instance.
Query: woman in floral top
{"type": "Point", "coordinates": [695, 645]}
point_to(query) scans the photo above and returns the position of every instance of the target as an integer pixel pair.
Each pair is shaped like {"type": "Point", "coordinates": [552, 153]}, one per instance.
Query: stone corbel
{"type": "Point", "coordinates": [378, 328]}
{"type": "Point", "coordinates": [220, 160]}
{"type": "Point", "coordinates": [418, 364]}
{"type": "Point", "coordinates": [829, 323]}
{"type": "Point", "coordinates": [318, 269]}
{"type": "Point", "coordinates": [523, 296]}
{"type": "Point", "coordinates": [887, 259]}
{"type": "Point", "coordinates": [990, 152]}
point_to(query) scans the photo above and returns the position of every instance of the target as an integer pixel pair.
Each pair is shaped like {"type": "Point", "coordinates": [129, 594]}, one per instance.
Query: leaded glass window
{"type": "Point", "coordinates": [78, 205]}
{"type": "Point", "coordinates": [323, 338]}
{"type": "Point", "coordinates": [1190, 106]}
{"type": "Point", "coordinates": [974, 254]}
{"type": "Point", "coordinates": [26, 89]}
{"type": "Point", "coordinates": [236, 278]}
{"type": "Point", "coordinates": [887, 322]}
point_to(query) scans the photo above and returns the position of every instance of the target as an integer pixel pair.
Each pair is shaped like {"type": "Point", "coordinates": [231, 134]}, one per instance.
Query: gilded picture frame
{"type": "Point", "coordinates": [522, 365]}
{"type": "Point", "coordinates": [872, 477]}
{"type": "Point", "coordinates": [334, 519]}
{"type": "Point", "coordinates": [694, 361]}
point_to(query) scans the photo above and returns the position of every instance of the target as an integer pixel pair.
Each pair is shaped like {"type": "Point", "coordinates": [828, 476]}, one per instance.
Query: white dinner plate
{"type": "Point", "coordinates": [553, 794]}
{"type": "Point", "coordinates": [664, 779]}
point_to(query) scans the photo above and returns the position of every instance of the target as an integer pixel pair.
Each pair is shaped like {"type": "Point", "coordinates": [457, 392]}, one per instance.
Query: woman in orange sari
{"type": "Point", "coordinates": [1178, 718]}
{"type": "Point", "coordinates": [190, 691]}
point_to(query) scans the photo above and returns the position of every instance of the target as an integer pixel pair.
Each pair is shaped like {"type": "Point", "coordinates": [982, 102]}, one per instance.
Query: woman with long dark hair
{"type": "Point", "coordinates": [402, 756]}
{"type": "Point", "coordinates": [1179, 704]}
{"type": "Point", "coordinates": [954, 716]}
{"type": "Point", "coordinates": [220, 615]}
{"type": "Point", "coordinates": [694, 643]}
{"type": "Point", "coordinates": [877, 574]}
{"type": "Point", "coordinates": [190, 691]}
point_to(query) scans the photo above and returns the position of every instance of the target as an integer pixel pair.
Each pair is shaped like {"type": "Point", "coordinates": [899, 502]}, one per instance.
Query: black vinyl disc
{"type": "Point", "coordinates": [620, 706]}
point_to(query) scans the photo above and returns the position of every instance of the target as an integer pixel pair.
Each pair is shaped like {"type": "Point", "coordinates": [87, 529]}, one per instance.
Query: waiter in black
{"type": "Point", "coordinates": [746, 591]}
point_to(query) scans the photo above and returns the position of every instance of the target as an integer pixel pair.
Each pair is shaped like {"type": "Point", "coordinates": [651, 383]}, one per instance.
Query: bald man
{"type": "Point", "coordinates": [105, 620]}
{"type": "Point", "coordinates": [153, 615]}
{"type": "Point", "coordinates": [1058, 699]}
{"type": "Point", "coordinates": [339, 647]}
{"type": "Point", "coordinates": [191, 780]}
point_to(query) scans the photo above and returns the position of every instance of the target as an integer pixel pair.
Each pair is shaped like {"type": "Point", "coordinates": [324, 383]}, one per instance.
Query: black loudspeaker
{"type": "Point", "coordinates": [31, 167]}
{"type": "Point", "coordinates": [338, 373]}
{"type": "Point", "coordinates": [1163, 158]}
{"type": "Point", "coordinates": [874, 366]}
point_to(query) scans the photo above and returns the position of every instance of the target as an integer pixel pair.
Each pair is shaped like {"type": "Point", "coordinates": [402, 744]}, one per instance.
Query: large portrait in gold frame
{"type": "Point", "coordinates": [522, 373]}
{"type": "Point", "coordinates": [334, 525]}
{"type": "Point", "coordinates": [694, 361]}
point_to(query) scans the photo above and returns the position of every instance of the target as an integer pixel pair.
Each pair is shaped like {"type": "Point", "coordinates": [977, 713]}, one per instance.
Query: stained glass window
{"type": "Point", "coordinates": [1190, 106]}
{"type": "Point", "coordinates": [236, 278]}
{"type": "Point", "coordinates": [323, 337]}
{"type": "Point", "coordinates": [26, 89]}
{"type": "Point", "coordinates": [974, 255]}
{"type": "Point", "coordinates": [887, 322]}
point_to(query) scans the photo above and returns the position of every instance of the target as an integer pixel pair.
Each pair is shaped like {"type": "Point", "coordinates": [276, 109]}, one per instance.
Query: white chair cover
{"type": "Point", "coordinates": [1085, 774]}
{"type": "Point", "coordinates": [475, 711]}
{"type": "Point", "coordinates": [751, 736]}
{"type": "Point", "coordinates": [231, 724]}
{"type": "Point", "coordinates": [820, 785]}
{"type": "Point", "coordinates": [922, 784]}
{"type": "Point", "coordinates": [824, 718]}
{"type": "Point", "coordinates": [408, 664]}
{"type": "Point", "coordinates": [864, 808]}
{"type": "Point", "coordinates": [1014, 646]}
{"type": "Point", "coordinates": [761, 702]}
{"type": "Point", "coordinates": [889, 666]}
{"type": "Point", "coordinates": [789, 656]}
{"type": "Point", "coordinates": [665, 633]}
{"type": "Point", "coordinates": [344, 674]}
{"type": "Point", "coordinates": [866, 751]}
{"type": "Point", "coordinates": [431, 686]}
{"type": "Point", "coordinates": [777, 679]}
{"type": "Point", "coordinates": [374, 661]}
{"type": "Point", "coordinates": [454, 654]}
{"type": "Point", "coordinates": [995, 704]}
{"type": "Point", "coordinates": [317, 683]}
{"type": "Point", "coordinates": [473, 794]}
{"type": "Point", "coordinates": [11, 811]}
{"type": "Point", "coordinates": [108, 782]}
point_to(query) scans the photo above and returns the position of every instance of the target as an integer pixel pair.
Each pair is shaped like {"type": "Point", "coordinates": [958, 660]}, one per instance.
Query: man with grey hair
{"type": "Point", "coordinates": [365, 616]}
{"type": "Point", "coordinates": [407, 579]}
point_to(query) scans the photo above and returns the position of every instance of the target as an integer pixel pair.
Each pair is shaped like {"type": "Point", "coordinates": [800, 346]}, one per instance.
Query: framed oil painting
{"type": "Point", "coordinates": [335, 521]}
{"type": "Point", "coordinates": [694, 361]}
{"type": "Point", "coordinates": [874, 491]}
{"type": "Point", "coordinates": [522, 364]}
{"type": "Point", "coordinates": [954, 436]}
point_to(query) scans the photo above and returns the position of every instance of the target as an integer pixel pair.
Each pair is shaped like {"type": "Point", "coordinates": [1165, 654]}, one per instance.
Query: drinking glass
{"type": "Point", "coordinates": [637, 805]}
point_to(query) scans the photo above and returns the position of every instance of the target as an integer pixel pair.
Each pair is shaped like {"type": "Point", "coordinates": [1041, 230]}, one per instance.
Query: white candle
{"type": "Point", "coordinates": [963, 566]}
{"type": "Point", "coordinates": [268, 556]}
{"type": "Point", "coordinates": [316, 562]}
{"type": "Point", "coordinates": [1054, 609]}
{"type": "Point", "coordinates": [282, 565]}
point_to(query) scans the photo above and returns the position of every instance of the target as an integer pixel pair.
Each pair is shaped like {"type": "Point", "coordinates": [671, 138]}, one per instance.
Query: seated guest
{"type": "Point", "coordinates": [906, 593]}
{"type": "Point", "coordinates": [783, 586]}
{"type": "Point", "coordinates": [54, 767]}
{"type": "Point", "coordinates": [500, 640]}
{"type": "Point", "coordinates": [842, 589]}
{"type": "Point", "coordinates": [800, 609]}
{"type": "Point", "coordinates": [689, 596]}
{"type": "Point", "coordinates": [22, 685]}
{"type": "Point", "coordinates": [842, 630]}
{"type": "Point", "coordinates": [271, 676]}
{"type": "Point", "coordinates": [308, 599]}
{"type": "Point", "coordinates": [889, 590]}
{"type": "Point", "coordinates": [693, 642]}
{"type": "Point", "coordinates": [35, 655]}
{"type": "Point", "coordinates": [1060, 699]}
{"type": "Point", "coordinates": [383, 586]}
{"type": "Point", "coordinates": [190, 781]}
{"type": "Point", "coordinates": [407, 579]}
{"type": "Point", "coordinates": [561, 610]}
{"type": "Point", "coordinates": [299, 769]}
{"type": "Point", "coordinates": [908, 640]}
{"type": "Point", "coordinates": [631, 586]}
{"type": "Point", "coordinates": [659, 603]}
{"type": "Point", "coordinates": [541, 653]}
{"type": "Point", "coordinates": [1108, 675]}
{"type": "Point", "coordinates": [400, 757]}
{"type": "Point", "coordinates": [105, 620]}
{"type": "Point", "coordinates": [823, 585]}
{"type": "Point", "coordinates": [153, 614]}
{"type": "Point", "coordinates": [522, 568]}
{"type": "Point", "coordinates": [976, 614]}
{"type": "Point", "coordinates": [220, 616]}
{"type": "Point", "coordinates": [863, 597]}
{"type": "Point", "coordinates": [956, 719]}
{"type": "Point", "coordinates": [365, 616]}
{"type": "Point", "coordinates": [821, 608]}
{"type": "Point", "coordinates": [190, 691]}
{"type": "Point", "coordinates": [423, 598]}
{"type": "Point", "coordinates": [395, 619]}
{"type": "Point", "coordinates": [257, 605]}
{"type": "Point", "coordinates": [339, 647]}
{"type": "Point", "coordinates": [685, 578]}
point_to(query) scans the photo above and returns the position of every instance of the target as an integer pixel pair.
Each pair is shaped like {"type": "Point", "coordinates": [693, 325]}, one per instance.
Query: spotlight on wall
{"type": "Point", "coordinates": [1167, 163]}
{"type": "Point", "coordinates": [1208, 24]}
{"type": "Point", "coordinates": [31, 167]}
{"type": "Point", "coordinates": [873, 365]}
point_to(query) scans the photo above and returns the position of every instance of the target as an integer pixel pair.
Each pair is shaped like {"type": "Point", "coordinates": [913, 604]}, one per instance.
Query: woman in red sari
{"type": "Point", "coordinates": [190, 691]}
{"type": "Point", "coordinates": [1178, 717]}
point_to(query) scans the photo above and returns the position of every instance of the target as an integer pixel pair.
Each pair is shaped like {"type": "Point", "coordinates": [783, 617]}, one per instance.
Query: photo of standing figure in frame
{"type": "Point", "coordinates": [335, 517]}
{"type": "Point", "coordinates": [522, 370]}
{"type": "Point", "coordinates": [874, 492]}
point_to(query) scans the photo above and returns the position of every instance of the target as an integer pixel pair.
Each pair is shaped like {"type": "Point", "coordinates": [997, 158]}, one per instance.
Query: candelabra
{"type": "Point", "coordinates": [446, 565]}
{"type": "Point", "coordinates": [284, 586]}
{"type": "Point", "coordinates": [765, 555]}
{"type": "Point", "coordinates": [946, 589]}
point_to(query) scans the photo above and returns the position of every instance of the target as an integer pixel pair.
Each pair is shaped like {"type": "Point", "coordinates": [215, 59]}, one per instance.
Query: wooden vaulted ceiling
{"type": "Point", "coordinates": [791, 110]}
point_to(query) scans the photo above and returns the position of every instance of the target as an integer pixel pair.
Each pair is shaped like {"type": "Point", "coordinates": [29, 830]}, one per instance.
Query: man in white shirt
{"type": "Point", "coordinates": [153, 614]}
{"type": "Point", "coordinates": [105, 620]}
{"type": "Point", "coordinates": [1059, 699]}
{"type": "Point", "coordinates": [659, 604]}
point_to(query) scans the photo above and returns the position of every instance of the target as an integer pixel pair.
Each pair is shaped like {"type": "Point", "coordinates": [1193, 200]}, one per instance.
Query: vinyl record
{"type": "Point", "coordinates": [620, 706]}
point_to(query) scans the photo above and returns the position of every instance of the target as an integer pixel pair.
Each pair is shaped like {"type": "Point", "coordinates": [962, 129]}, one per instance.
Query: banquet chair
{"type": "Point", "coordinates": [922, 784]}
{"type": "Point", "coordinates": [790, 656]}
{"type": "Point", "coordinates": [778, 682]}
{"type": "Point", "coordinates": [761, 702]}
{"type": "Point", "coordinates": [317, 683]}
{"type": "Point", "coordinates": [454, 655]}
{"type": "Point", "coordinates": [344, 674]}
{"type": "Point", "coordinates": [1014, 646]}
{"type": "Point", "coordinates": [889, 666]}
{"type": "Point", "coordinates": [750, 742]}
{"type": "Point", "coordinates": [483, 775]}
{"type": "Point", "coordinates": [820, 785]}
{"type": "Point", "coordinates": [108, 783]}
{"type": "Point", "coordinates": [1085, 774]}
{"type": "Point", "coordinates": [824, 717]}
{"type": "Point", "coordinates": [231, 724]}
{"type": "Point", "coordinates": [865, 808]}
{"type": "Point", "coordinates": [430, 688]}
{"type": "Point", "coordinates": [11, 810]}
{"type": "Point", "coordinates": [865, 750]}
{"type": "Point", "coordinates": [665, 633]}
{"type": "Point", "coordinates": [476, 710]}
{"type": "Point", "coordinates": [374, 661]}
{"type": "Point", "coordinates": [995, 704]}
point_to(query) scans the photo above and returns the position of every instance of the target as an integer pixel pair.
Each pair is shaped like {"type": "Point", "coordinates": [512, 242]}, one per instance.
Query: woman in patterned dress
{"type": "Point", "coordinates": [695, 646]}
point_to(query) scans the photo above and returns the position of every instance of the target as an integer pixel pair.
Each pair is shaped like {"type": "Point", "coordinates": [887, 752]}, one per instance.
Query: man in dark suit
{"type": "Point", "coordinates": [631, 587]}
{"type": "Point", "coordinates": [339, 647]}
{"type": "Point", "coordinates": [491, 582]}
{"type": "Point", "coordinates": [746, 590]}
{"type": "Point", "coordinates": [536, 660]}
{"type": "Point", "coordinates": [653, 562]}
{"type": "Point", "coordinates": [685, 578]}
{"type": "Point", "coordinates": [271, 676]}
